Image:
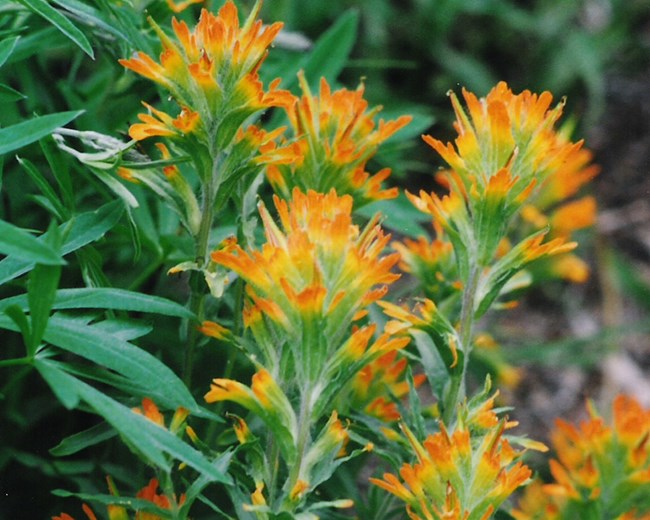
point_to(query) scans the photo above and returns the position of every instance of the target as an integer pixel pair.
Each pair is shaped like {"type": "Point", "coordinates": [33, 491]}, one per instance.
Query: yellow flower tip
{"type": "Point", "coordinates": [344, 503]}
{"type": "Point", "coordinates": [571, 268]}
{"type": "Point", "coordinates": [229, 390]}
{"type": "Point", "coordinates": [369, 447]}
{"type": "Point", "coordinates": [298, 490]}
{"type": "Point", "coordinates": [214, 330]}
{"type": "Point", "coordinates": [191, 433]}
{"type": "Point", "coordinates": [178, 419]}
{"type": "Point", "coordinates": [454, 352]}
{"type": "Point", "coordinates": [242, 432]}
{"type": "Point", "coordinates": [257, 497]}
{"type": "Point", "coordinates": [127, 174]}
{"type": "Point", "coordinates": [178, 7]}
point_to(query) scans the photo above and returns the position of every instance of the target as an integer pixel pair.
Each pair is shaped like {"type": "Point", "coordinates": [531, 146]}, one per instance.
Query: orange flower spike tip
{"type": "Point", "coordinates": [214, 330]}
{"type": "Point", "coordinates": [151, 412]}
{"type": "Point", "coordinates": [299, 489]}
{"type": "Point", "coordinates": [257, 497]}
{"type": "Point", "coordinates": [574, 215]}
{"type": "Point", "coordinates": [179, 7]}
{"type": "Point", "coordinates": [229, 390]}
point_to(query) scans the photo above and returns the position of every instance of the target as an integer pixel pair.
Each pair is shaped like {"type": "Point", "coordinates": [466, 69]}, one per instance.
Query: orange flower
{"type": "Point", "coordinates": [316, 272]}
{"type": "Point", "coordinates": [336, 136]}
{"type": "Point", "coordinates": [211, 71]}
{"type": "Point", "coordinates": [508, 157]}
{"type": "Point", "coordinates": [504, 130]}
{"type": "Point", "coordinates": [378, 383]}
{"type": "Point", "coordinates": [457, 475]}
{"type": "Point", "coordinates": [599, 466]}
{"type": "Point", "coordinates": [151, 412]}
{"type": "Point", "coordinates": [432, 263]}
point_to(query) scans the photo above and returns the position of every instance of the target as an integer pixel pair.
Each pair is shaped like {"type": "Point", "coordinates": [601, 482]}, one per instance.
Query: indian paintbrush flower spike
{"type": "Point", "coordinates": [467, 472]}
{"type": "Point", "coordinates": [336, 135]}
{"type": "Point", "coordinates": [600, 466]}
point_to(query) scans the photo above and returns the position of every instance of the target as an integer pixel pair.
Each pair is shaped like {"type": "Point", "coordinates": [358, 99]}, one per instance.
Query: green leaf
{"type": "Point", "coordinates": [43, 282]}
{"type": "Point", "coordinates": [92, 17]}
{"type": "Point", "coordinates": [52, 15]}
{"type": "Point", "coordinates": [6, 48]}
{"type": "Point", "coordinates": [330, 53]}
{"type": "Point", "coordinates": [95, 343]}
{"type": "Point", "coordinates": [20, 244]}
{"type": "Point", "coordinates": [26, 132]}
{"type": "Point", "coordinates": [80, 230]}
{"type": "Point", "coordinates": [44, 186]}
{"type": "Point", "coordinates": [17, 316]}
{"type": "Point", "coordinates": [82, 440]}
{"type": "Point", "coordinates": [145, 436]}
{"type": "Point", "coordinates": [31, 43]}
{"type": "Point", "coordinates": [434, 366]}
{"type": "Point", "coordinates": [108, 298]}
{"type": "Point", "coordinates": [57, 381]}
{"type": "Point", "coordinates": [9, 95]}
{"type": "Point", "coordinates": [399, 215]}
{"type": "Point", "coordinates": [60, 170]}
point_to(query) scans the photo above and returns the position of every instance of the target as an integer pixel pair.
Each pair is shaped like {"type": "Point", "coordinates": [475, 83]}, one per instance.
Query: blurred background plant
{"type": "Point", "coordinates": [60, 57]}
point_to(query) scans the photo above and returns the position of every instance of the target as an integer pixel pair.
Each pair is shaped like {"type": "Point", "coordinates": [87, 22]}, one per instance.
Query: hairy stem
{"type": "Point", "coordinates": [197, 282]}
{"type": "Point", "coordinates": [457, 390]}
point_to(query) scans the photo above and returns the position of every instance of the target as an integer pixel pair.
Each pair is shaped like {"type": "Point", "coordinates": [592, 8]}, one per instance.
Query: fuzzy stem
{"type": "Point", "coordinates": [304, 427]}
{"type": "Point", "coordinates": [457, 390]}
{"type": "Point", "coordinates": [197, 282]}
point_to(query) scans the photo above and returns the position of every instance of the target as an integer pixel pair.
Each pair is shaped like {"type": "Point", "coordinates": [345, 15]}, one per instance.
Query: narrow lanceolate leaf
{"type": "Point", "coordinates": [82, 440]}
{"type": "Point", "coordinates": [23, 246]}
{"type": "Point", "coordinates": [330, 53]}
{"type": "Point", "coordinates": [155, 443]}
{"type": "Point", "coordinates": [43, 282]}
{"type": "Point", "coordinates": [96, 344]}
{"type": "Point", "coordinates": [148, 374]}
{"type": "Point", "coordinates": [6, 48]}
{"type": "Point", "coordinates": [108, 298]}
{"type": "Point", "coordinates": [9, 95]}
{"type": "Point", "coordinates": [44, 186]}
{"type": "Point", "coordinates": [79, 231]}
{"type": "Point", "coordinates": [56, 18]}
{"type": "Point", "coordinates": [24, 133]}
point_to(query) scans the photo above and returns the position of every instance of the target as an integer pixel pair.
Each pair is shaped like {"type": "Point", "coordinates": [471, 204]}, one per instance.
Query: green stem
{"type": "Point", "coordinates": [457, 390]}
{"type": "Point", "coordinates": [27, 360]}
{"type": "Point", "coordinates": [304, 426]}
{"type": "Point", "coordinates": [197, 282]}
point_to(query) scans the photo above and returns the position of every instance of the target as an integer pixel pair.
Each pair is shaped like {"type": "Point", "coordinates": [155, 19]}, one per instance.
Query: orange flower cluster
{"type": "Point", "coordinates": [464, 474]}
{"type": "Point", "coordinates": [377, 385]}
{"type": "Point", "coordinates": [310, 280]}
{"type": "Point", "coordinates": [212, 73]}
{"type": "Point", "coordinates": [336, 136]}
{"type": "Point", "coordinates": [599, 467]}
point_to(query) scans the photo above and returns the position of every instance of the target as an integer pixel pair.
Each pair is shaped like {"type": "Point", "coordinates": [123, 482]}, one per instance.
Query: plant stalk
{"type": "Point", "coordinates": [457, 390]}
{"type": "Point", "coordinates": [197, 282]}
